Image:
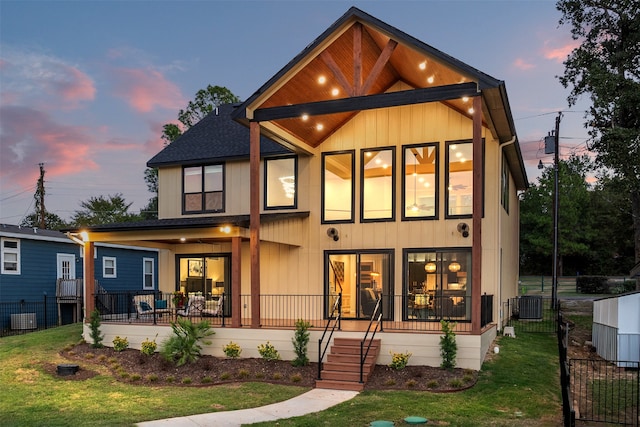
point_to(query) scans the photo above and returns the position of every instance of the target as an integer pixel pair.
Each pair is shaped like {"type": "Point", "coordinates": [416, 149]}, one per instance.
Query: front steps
{"type": "Point", "coordinates": [341, 371]}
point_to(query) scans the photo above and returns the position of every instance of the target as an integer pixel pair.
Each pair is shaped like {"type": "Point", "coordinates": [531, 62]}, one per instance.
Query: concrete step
{"type": "Point", "coordinates": [340, 385]}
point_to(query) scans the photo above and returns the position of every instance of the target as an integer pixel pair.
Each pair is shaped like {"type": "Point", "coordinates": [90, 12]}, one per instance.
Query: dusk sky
{"type": "Point", "coordinates": [85, 87]}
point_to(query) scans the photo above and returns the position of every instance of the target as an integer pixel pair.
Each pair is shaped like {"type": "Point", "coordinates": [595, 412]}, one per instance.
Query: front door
{"type": "Point", "coordinates": [66, 266]}
{"type": "Point", "coordinates": [361, 277]}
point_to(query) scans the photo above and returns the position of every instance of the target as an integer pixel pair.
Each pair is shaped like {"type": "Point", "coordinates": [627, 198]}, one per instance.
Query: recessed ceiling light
{"type": "Point", "coordinates": [322, 80]}
{"type": "Point", "coordinates": [335, 91]}
{"type": "Point", "coordinates": [430, 79]}
{"type": "Point", "coordinates": [305, 117]}
{"type": "Point", "coordinates": [423, 65]}
{"type": "Point", "coordinates": [471, 110]}
{"type": "Point", "coordinates": [465, 99]}
{"type": "Point", "coordinates": [319, 126]}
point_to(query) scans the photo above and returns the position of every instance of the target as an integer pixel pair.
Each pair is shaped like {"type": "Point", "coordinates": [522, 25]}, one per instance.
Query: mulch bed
{"type": "Point", "coordinates": [133, 367]}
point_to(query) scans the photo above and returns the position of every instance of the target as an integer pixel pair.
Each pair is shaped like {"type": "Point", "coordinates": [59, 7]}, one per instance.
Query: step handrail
{"type": "Point", "coordinates": [378, 322]}
{"type": "Point", "coordinates": [337, 306]}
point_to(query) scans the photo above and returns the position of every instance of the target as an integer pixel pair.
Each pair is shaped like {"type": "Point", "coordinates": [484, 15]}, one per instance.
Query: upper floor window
{"type": "Point", "coordinates": [420, 186]}
{"type": "Point", "coordinates": [378, 183]}
{"type": "Point", "coordinates": [280, 183]}
{"type": "Point", "coordinates": [10, 256]}
{"type": "Point", "coordinates": [338, 186]}
{"type": "Point", "coordinates": [109, 267]}
{"type": "Point", "coordinates": [459, 179]}
{"type": "Point", "coordinates": [147, 273]}
{"type": "Point", "coordinates": [203, 188]}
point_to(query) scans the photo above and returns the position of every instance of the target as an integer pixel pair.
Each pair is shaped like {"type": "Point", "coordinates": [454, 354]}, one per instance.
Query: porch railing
{"type": "Point", "coordinates": [374, 324]}
{"type": "Point", "coordinates": [400, 313]}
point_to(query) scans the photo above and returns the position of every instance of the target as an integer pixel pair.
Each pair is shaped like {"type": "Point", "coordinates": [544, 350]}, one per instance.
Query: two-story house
{"type": "Point", "coordinates": [371, 167]}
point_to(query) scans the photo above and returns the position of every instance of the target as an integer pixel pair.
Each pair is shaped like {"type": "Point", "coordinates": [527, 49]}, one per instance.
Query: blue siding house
{"type": "Point", "coordinates": [32, 260]}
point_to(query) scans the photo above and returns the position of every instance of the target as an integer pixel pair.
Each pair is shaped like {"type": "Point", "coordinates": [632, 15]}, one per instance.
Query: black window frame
{"type": "Point", "coordinates": [363, 153]}
{"type": "Point", "coordinates": [405, 199]}
{"type": "Point", "coordinates": [204, 193]}
{"type": "Point", "coordinates": [266, 182]}
{"type": "Point", "coordinates": [353, 188]}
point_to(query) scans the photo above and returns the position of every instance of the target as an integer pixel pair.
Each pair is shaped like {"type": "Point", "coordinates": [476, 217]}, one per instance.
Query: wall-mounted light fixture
{"type": "Point", "coordinates": [333, 233]}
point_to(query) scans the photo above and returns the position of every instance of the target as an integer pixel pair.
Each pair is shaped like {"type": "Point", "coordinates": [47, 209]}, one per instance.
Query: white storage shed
{"type": "Point", "coordinates": [616, 329]}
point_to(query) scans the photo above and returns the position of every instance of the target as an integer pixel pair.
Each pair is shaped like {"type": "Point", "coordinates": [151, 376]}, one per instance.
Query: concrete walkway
{"type": "Point", "coordinates": [315, 400]}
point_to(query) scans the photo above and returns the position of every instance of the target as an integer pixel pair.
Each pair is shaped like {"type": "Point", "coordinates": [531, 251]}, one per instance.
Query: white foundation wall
{"type": "Point", "coordinates": [425, 348]}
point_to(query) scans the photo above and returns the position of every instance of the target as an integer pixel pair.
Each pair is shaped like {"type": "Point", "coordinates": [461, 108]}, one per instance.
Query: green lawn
{"type": "Point", "coordinates": [519, 385]}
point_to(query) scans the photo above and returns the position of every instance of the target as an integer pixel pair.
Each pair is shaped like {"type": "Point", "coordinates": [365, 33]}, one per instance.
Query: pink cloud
{"type": "Point", "coordinates": [77, 87]}
{"type": "Point", "coordinates": [559, 54]}
{"type": "Point", "coordinates": [145, 90]}
{"type": "Point", "coordinates": [521, 64]}
{"type": "Point", "coordinates": [30, 137]}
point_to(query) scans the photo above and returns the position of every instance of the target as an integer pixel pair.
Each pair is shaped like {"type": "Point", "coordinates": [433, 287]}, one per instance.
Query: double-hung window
{"type": "Point", "coordinates": [377, 174]}
{"type": "Point", "coordinates": [10, 256]}
{"type": "Point", "coordinates": [338, 187]}
{"type": "Point", "coordinates": [109, 267]}
{"type": "Point", "coordinates": [203, 188]}
{"type": "Point", "coordinates": [148, 271]}
{"type": "Point", "coordinates": [281, 183]}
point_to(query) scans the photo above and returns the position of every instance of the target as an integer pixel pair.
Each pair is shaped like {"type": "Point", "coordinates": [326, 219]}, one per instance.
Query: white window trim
{"type": "Point", "coordinates": [144, 273]}
{"type": "Point", "coordinates": [4, 251]}
{"type": "Point", "coordinates": [104, 267]}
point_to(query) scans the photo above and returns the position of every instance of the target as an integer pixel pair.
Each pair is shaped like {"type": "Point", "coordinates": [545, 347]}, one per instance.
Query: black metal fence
{"type": "Point", "coordinates": [27, 316]}
{"type": "Point", "coordinates": [530, 314]}
{"type": "Point", "coordinates": [595, 390]}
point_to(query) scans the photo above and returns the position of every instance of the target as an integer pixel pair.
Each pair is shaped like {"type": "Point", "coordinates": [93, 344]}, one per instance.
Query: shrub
{"type": "Point", "coordinates": [148, 348]}
{"type": "Point", "coordinates": [268, 351]}
{"type": "Point", "coordinates": [225, 376]}
{"type": "Point", "coordinates": [232, 350]}
{"type": "Point", "coordinates": [207, 380]}
{"type": "Point", "coordinates": [152, 378]}
{"type": "Point", "coordinates": [448, 345]}
{"type": "Point", "coordinates": [432, 384]}
{"type": "Point", "coordinates": [120, 344]}
{"type": "Point", "coordinates": [455, 383]}
{"type": "Point", "coordinates": [94, 325]}
{"type": "Point", "coordinates": [242, 373]}
{"type": "Point", "coordinates": [300, 341]}
{"type": "Point", "coordinates": [411, 383]}
{"type": "Point", "coordinates": [296, 378]}
{"type": "Point", "coordinates": [187, 380]}
{"type": "Point", "coordinates": [184, 345]}
{"type": "Point", "coordinates": [390, 382]}
{"type": "Point", "coordinates": [399, 360]}
{"type": "Point", "coordinates": [591, 284]}
{"type": "Point", "coordinates": [135, 377]}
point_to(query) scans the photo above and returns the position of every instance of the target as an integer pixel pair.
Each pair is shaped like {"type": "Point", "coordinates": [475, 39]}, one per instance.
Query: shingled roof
{"type": "Point", "coordinates": [217, 137]}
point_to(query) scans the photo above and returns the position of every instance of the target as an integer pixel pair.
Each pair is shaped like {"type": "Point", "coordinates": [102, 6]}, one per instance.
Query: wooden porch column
{"type": "Point", "coordinates": [236, 271]}
{"type": "Point", "coordinates": [89, 280]}
{"type": "Point", "coordinates": [254, 226]}
{"type": "Point", "coordinates": [476, 229]}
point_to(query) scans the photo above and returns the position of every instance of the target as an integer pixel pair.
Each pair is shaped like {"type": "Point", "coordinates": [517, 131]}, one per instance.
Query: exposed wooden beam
{"type": "Point", "coordinates": [254, 226]}
{"type": "Point", "coordinates": [357, 59]}
{"type": "Point", "coordinates": [378, 66]}
{"type": "Point", "coordinates": [369, 102]}
{"type": "Point", "coordinates": [337, 72]}
{"type": "Point", "coordinates": [476, 229]}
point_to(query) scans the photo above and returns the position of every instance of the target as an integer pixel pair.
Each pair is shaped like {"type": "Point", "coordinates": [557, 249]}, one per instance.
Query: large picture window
{"type": "Point", "coordinates": [338, 187]}
{"type": "Point", "coordinates": [280, 183]}
{"type": "Point", "coordinates": [438, 284]}
{"type": "Point", "coordinates": [459, 184]}
{"type": "Point", "coordinates": [203, 188]}
{"type": "Point", "coordinates": [378, 184]}
{"type": "Point", "coordinates": [420, 185]}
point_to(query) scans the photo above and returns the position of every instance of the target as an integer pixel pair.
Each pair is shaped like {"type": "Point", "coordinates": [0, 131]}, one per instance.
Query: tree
{"type": "Point", "coordinates": [51, 220]}
{"type": "Point", "coordinates": [536, 217]}
{"type": "Point", "coordinates": [606, 66]}
{"type": "Point", "coordinates": [204, 102]}
{"type": "Point", "coordinates": [101, 210]}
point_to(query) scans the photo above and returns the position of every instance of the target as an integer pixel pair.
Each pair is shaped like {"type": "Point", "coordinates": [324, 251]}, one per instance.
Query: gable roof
{"type": "Point", "coordinates": [363, 58]}
{"type": "Point", "coordinates": [33, 233]}
{"type": "Point", "coordinates": [215, 138]}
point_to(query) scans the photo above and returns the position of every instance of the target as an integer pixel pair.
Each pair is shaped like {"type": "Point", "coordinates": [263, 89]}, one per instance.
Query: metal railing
{"type": "Point", "coordinates": [376, 319]}
{"type": "Point", "coordinates": [28, 316]}
{"type": "Point", "coordinates": [333, 323]}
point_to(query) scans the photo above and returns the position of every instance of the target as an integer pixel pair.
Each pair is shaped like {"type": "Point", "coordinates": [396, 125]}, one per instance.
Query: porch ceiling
{"type": "Point", "coordinates": [355, 65]}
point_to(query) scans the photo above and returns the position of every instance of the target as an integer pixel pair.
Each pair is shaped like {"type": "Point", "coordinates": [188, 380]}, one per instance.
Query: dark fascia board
{"type": "Point", "coordinates": [196, 222]}
{"type": "Point", "coordinates": [355, 14]}
{"type": "Point", "coordinates": [203, 160]}
{"type": "Point", "coordinates": [368, 102]}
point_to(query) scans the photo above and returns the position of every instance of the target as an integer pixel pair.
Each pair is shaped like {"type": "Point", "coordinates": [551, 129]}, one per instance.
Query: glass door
{"type": "Point", "coordinates": [206, 275]}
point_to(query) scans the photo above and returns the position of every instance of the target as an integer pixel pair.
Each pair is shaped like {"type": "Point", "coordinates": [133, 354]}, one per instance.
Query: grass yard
{"type": "Point", "coordinates": [517, 386]}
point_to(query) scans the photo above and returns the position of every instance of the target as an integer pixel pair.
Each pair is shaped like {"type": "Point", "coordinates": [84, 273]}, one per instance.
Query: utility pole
{"type": "Point", "coordinates": [43, 224]}
{"type": "Point", "coordinates": [552, 145]}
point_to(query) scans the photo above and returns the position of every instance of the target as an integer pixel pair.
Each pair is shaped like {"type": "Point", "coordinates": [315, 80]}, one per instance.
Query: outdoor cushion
{"type": "Point", "coordinates": [144, 306]}
{"type": "Point", "coordinates": [160, 303]}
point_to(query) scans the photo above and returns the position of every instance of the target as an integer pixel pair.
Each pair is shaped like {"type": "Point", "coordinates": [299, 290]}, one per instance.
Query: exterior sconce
{"type": "Point", "coordinates": [463, 228]}
{"type": "Point", "coordinates": [333, 233]}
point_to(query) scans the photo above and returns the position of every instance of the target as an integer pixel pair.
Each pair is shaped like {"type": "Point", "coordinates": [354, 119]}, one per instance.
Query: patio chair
{"type": "Point", "coordinates": [195, 305]}
{"type": "Point", "coordinates": [145, 305]}
{"type": "Point", "coordinates": [216, 311]}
